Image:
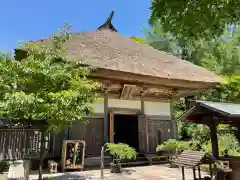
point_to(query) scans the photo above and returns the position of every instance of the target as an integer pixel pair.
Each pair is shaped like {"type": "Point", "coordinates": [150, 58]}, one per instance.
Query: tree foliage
{"type": "Point", "coordinates": [46, 88]}
{"type": "Point", "coordinates": [187, 18]}
{"type": "Point", "coordinates": [228, 91]}
{"type": "Point", "coordinates": [227, 143]}
{"type": "Point", "coordinates": [5, 56]}
{"type": "Point", "coordinates": [220, 55]}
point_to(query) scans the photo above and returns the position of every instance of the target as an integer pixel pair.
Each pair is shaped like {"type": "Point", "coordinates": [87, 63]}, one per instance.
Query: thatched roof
{"type": "Point", "coordinates": [107, 49]}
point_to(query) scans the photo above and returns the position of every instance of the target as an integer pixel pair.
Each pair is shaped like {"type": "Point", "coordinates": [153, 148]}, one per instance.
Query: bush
{"type": "Point", "coordinates": [120, 152]}
{"type": "Point", "coordinates": [4, 166]}
{"type": "Point", "coordinates": [228, 145]}
{"type": "Point", "coordinates": [173, 145]}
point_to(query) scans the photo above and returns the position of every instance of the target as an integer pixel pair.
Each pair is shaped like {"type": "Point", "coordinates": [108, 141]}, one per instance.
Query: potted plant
{"type": "Point", "coordinates": [119, 152]}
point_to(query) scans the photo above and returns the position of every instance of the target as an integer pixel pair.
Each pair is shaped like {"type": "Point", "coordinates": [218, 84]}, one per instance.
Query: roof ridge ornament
{"type": "Point", "coordinates": [108, 24]}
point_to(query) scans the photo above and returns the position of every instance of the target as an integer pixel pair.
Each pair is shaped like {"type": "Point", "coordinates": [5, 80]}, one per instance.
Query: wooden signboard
{"type": "Point", "coordinates": [72, 155]}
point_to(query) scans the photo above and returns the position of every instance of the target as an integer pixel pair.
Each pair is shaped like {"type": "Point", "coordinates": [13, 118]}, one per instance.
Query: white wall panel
{"type": "Point", "coordinates": [151, 108]}
{"type": "Point", "coordinates": [157, 108]}
{"type": "Point", "coordinates": [98, 106]}
{"type": "Point", "coordinates": [119, 103]}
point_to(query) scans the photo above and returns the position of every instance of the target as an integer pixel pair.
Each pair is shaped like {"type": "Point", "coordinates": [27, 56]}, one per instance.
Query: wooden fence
{"type": "Point", "coordinates": [18, 143]}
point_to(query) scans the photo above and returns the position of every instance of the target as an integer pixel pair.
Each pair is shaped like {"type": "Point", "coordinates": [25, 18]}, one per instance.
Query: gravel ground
{"type": "Point", "coordinates": [3, 176]}
{"type": "Point", "coordinates": [154, 172]}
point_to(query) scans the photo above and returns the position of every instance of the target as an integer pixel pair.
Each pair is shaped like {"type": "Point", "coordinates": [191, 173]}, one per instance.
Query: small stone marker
{"type": "Point", "coordinates": [16, 171]}
{"type": "Point", "coordinates": [52, 166]}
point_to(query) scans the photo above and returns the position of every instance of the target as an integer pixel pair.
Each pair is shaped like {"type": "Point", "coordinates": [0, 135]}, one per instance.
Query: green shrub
{"type": "Point", "coordinates": [227, 145]}
{"type": "Point", "coordinates": [120, 152]}
{"type": "Point", "coordinates": [4, 166]}
{"type": "Point", "coordinates": [172, 145]}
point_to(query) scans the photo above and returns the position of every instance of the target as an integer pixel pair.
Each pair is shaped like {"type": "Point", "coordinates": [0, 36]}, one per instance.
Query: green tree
{"type": "Point", "coordinates": [187, 18]}
{"type": "Point", "coordinates": [221, 55]}
{"type": "Point", "coordinates": [228, 91]}
{"type": "Point", "coordinates": [46, 89]}
{"type": "Point", "coordinates": [5, 56]}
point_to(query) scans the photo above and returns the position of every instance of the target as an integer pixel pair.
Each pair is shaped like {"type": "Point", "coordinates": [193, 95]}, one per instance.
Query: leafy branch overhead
{"type": "Point", "coordinates": [46, 87]}
{"type": "Point", "coordinates": [187, 18]}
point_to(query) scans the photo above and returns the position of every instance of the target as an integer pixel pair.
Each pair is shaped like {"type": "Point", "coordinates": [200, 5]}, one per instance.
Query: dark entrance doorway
{"type": "Point", "coordinates": [126, 130]}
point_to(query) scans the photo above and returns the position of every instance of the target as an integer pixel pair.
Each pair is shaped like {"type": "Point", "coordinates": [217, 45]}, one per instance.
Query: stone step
{"type": "Point", "coordinates": [135, 163]}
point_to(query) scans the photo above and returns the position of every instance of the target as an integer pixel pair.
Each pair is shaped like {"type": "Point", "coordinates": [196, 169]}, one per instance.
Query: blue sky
{"type": "Point", "coordinates": [35, 19]}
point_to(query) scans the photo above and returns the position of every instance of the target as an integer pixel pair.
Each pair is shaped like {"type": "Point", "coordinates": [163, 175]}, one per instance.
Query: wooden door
{"type": "Point", "coordinates": [111, 127]}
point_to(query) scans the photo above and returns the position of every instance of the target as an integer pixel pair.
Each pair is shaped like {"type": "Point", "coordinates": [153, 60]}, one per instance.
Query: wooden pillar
{"type": "Point", "coordinates": [146, 127]}
{"type": "Point", "coordinates": [194, 174]}
{"type": "Point", "coordinates": [111, 127]}
{"type": "Point", "coordinates": [183, 173]}
{"type": "Point", "coordinates": [199, 173]}
{"type": "Point", "coordinates": [174, 129]}
{"type": "Point", "coordinates": [106, 134]}
{"type": "Point", "coordinates": [214, 139]}
{"type": "Point", "coordinates": [211, 170]}
{"type": "Point", "coordinates": [142, 107]}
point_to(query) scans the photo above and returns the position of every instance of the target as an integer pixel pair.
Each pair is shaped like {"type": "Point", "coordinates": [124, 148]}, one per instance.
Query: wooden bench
{"type": "Point", "coordinates": [52, 166]}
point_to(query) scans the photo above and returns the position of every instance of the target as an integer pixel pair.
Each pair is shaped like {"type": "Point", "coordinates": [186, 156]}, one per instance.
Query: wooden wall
{"type": "Point", "coordinates": [92, 133]}
{"type": "Point", "coordinates": [154, 126]}
{"type": "Point", "coordinates": [158, 132]}
{"type": "Point", "coordinates": [152, 132]}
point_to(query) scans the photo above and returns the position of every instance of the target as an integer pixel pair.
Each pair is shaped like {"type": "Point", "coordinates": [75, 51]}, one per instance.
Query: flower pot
{"type": "Point", "coordinates": [115, 168]}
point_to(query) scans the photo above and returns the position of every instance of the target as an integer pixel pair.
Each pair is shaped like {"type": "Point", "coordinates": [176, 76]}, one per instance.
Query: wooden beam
{"type": "Point", "coordinates": [125, 76]}
{"type": "Point", "coordinates": [119, 110]}
{"type": "Point", "coordinates": [149, 89]}
{"type": "Point", "coordinates": [119, 84]}
{"type": "Point", "coordinates": [112, 95]}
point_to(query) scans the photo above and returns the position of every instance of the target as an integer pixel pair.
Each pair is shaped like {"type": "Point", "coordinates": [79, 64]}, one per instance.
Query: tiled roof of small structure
{"type": "Point", "coordinates": [107, 49]}
{"type": "Point", "coordinates": [229, 109]}
{"type": "Point", "coordinates": [225, 110]}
